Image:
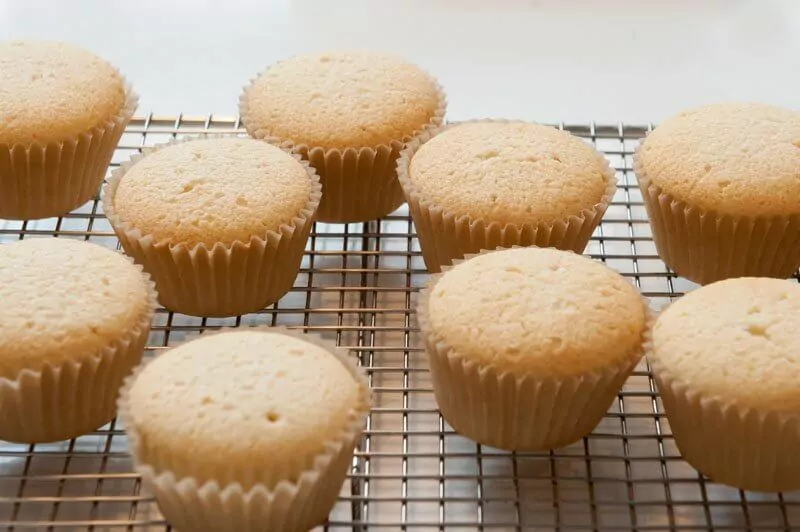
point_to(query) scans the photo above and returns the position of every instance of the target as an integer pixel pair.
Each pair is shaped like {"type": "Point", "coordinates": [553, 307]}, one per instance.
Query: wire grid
{"type": "Point", "coordinates": [358, 286]}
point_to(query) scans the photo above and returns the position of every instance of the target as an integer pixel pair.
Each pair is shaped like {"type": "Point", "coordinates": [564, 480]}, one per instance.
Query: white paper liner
{"type": "Point", "coordinates": [290, 506]}
{"type": "Point", "coordinates": [47, 180]}
{"type": "Point", "coordinates": [704, 246]}
{"type": "Point", "coordinates": [445, 236]}
{"type": "Point", "coordinates": [224, 280]}
{"type": "Point", "coordinates": [744, 447]}
{"type": "Point", "coordinates": [359, 183]}
{"type": "Point", "coordinates": [78, 396]}
{"type": "Point", "coordinates": [501, 409]}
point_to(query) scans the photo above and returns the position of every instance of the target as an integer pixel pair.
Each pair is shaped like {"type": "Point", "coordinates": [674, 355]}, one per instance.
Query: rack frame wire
{"type": "Point", "coordinates": [358, 286]}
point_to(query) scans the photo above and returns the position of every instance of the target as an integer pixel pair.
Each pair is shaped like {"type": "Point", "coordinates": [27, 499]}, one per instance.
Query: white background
{"type": "Point", "coordinates": [570, 60]}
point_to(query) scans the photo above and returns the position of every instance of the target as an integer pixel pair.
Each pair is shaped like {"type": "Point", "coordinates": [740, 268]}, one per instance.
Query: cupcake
{"type": "Point", "coordinates": [528, 347]}
{"type": "Point", "coordinates": [726, 359]}
{"type": "Point", "coordinates": [246, 430]}
{"type": "Point", "coordinates": [349, 114]}
{"type": "Point", "coordinates": [487, 184]}
{"type": "Point", "coordinates": [74, 320]}
{"type": "Point", "coordinates": [721, 185]}
{"type": "Point", "coordinates": [64, 111]}
{"type": "Point", "coordinates": [220, 223]}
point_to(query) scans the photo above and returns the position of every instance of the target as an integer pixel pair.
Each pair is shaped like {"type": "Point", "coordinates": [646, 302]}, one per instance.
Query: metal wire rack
{"type": "Point", "coordinates": [358, 286]}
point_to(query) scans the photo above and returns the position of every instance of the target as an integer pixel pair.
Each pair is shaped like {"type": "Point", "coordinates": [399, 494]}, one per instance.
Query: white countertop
{"type": "Point", "coordinates": [570, 60]}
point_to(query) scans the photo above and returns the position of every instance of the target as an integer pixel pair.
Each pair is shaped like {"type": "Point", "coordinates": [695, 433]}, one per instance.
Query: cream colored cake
{"type": "Point", "coordinates": [66, 109]}
{"type": "Point", "coordinates": [349, 114]}
{"type": "Point", "coordinates": [64, 300]}
{"type": "Point", "coordinates": [487, 184]}
{"type": "Point", "coordinates": [529, 346]}
{"type": "Point", "coordinates": [537, 311]}
{"type": "Point", "coordinates": [210, 191]}
{"type": "Point", "coordinates": [736, 340]}
{"type": "Point", "coordinates": [727, 361]}
{"type": "Point", "coordinates": [741, 159]}
{"type": "Point", "coordinates": [341, 99]}
{"type": "Point", "coordinates": [509, 172]}
{"type": "Point", "coordinates": [51, 91]}
{"type": "Point", "coordinates": [720, 184]}
{"type": "Point", "coordinates": [220, 223]}
{"type": "Point", "coordinates": [74, 319]}
{"type": "Point", "coordinates": [242, 406]}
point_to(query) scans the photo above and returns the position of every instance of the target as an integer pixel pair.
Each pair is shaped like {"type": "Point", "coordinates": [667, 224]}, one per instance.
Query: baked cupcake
{"type": "Point", "coordinates": [528, 347]}
{"type": "Point", "coordinates": [74, 320]}
{"type": "Point", "coordinates": [726, 359]}
{"type": "Point", "coordinates": [64, 111]}
{"type": "Point", "coordinates": [349, 114]}
{"type": "Point", "coordinates": [721, 185]}
{"type": "Point", "coordinates": [220, 223]}
{"type": "Point", "coordinates": [487, 184]}
{"type": "Point", "coordinates": [246, 430]}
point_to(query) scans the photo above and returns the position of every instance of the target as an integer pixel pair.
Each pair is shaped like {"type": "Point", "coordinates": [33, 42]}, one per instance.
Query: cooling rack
{"type": "Point", "coordinates": [358, 286]}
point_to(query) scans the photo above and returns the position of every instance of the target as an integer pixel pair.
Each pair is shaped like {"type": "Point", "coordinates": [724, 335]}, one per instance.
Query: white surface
{"type": "Point", "coordinates": [571, 60]}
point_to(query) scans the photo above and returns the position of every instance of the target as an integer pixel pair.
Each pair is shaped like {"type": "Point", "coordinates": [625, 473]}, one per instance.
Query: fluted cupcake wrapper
{"type": "Point", "coordinates": [501, 409]}
{"type": "Point", "coordinates": [358, 183]}
{"type": "Point", "coordinates": [446, 236]}
{"type": "Point", "coordinates": [704, 246]}
{"type": "Point", "coordinates": [745, 447]}
{"type": "Point", "coordinates": [224, 280]}
{"type": "Point", "coordinates": [290, 506]}
{"type": "Point", "coordinates": [76, 397]}
{"type": "Point", "coordinates": [45, 180]}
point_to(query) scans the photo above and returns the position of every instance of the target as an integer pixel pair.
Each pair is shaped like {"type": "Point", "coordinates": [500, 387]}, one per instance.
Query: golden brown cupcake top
{"type": "Point", "coordinates": [209, 191]}
{"type": "Point", "coordinates": [509, 172]}
{"type": "Point", "coordinates": [65, 300]}
{"type": "Point", "coordinates": [341, 99]}
{"type": "Point", "coordinates": [741, 159]}
{"type": "Point", "coordinates": [51, 91]}
{"type": "Point", "coordinates": [735, 340]}
{"type": "Point", "coordinates": [537, 310]}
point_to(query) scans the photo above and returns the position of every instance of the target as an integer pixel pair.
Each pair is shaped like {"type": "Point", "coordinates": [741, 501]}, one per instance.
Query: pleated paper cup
{"type": "Point", "coordinates": [189, 504]}
{"type": "Point", "coordinates": [47, 180]}
{"type": "Point", "coordinates": [358, 183]}
{"type": "Point", "coordinates": [704, 246]}
{"type": "Point", "coordinates": [445, 236]}
{"type": "Point", "coordinates": [223, 280]}
{"type": "Point", "coordinates": [78, 396]}
{"type": "Point", "coordinates": [518, 411]}
{"type": "Point", "coordinates": [744, 447]}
